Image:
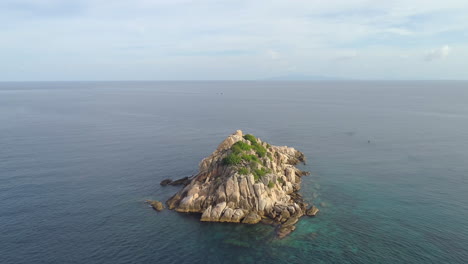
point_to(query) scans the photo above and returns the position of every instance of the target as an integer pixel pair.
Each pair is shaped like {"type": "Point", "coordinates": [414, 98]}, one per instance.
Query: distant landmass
{"type": "Point", "coordinates": [304, 77]}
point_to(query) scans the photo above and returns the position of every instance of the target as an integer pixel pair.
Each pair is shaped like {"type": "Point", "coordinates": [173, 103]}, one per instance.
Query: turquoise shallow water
{"type": "Point", "coordinates": [77, 161]}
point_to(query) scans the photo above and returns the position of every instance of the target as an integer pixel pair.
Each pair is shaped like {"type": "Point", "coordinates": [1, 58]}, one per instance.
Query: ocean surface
{"type": "Point", "coordinates": [388, 163]}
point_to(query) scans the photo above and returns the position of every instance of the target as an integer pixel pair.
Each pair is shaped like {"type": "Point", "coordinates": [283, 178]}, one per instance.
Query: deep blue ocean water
{"type": "Point", "coordinates": [78, 160]}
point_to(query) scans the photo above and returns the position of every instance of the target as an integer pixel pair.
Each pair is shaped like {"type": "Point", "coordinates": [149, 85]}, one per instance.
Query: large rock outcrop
{"type": "Point", "coordinates": [246, 180]}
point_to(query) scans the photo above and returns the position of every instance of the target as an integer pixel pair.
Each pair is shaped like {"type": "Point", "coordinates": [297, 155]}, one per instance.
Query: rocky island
{"type": "Point", "coordinates": [246, 181]}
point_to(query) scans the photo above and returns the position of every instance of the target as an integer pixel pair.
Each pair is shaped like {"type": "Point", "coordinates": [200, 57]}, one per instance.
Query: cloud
{"type": "Point", "coordinates": [399, 31]}
{"type": "Point", "coordinates": [273, 54]}
{"type": "Point", "coordinates": [346, 56]}
{"type": "Point", "coordinates": [230, 39]}
{"type": "Point", "coordinates": [439, 53]}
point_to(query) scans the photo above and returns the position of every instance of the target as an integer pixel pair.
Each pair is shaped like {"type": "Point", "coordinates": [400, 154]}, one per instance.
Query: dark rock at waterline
{"type": "Point", "coordinates": [267, 221]}
{"type": "Point", "coordinates": [283, 231]}
{"type": "Point", "coordinates": [312, 211]}
{"type": "Point", "coordinates": [302, 173]}
{"type": "Point", "coordinates": [288, 226]}
{"type": "Point", "coordinates": [165, 182]}
{"type": "Point", "coordinates": [184, 181]}
{"type": "Point", "coordinates": [157, 205]}
{"type": "Point", "coordinates": [252, 218]}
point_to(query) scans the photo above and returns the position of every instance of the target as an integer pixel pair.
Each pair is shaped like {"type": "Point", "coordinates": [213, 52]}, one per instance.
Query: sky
{"type": "Point", "coordinates": [79, 40]}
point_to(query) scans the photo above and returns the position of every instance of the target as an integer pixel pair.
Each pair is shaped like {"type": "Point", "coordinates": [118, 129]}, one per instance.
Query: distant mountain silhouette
{"type": "Point", "coordinates": [304, 77]}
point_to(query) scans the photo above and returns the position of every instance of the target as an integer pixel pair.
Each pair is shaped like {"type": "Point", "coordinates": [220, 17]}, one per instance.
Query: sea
{"type": "Point", "coordinates": [388, 163]}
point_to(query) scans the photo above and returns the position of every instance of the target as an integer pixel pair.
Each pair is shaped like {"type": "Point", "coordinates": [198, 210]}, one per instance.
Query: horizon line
{"type": "Point", "coordinates": [236, 80]}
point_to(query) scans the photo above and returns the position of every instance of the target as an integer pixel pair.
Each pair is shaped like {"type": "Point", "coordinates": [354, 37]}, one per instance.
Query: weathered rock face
{"type": "Point", "coordinates": [246, 180]}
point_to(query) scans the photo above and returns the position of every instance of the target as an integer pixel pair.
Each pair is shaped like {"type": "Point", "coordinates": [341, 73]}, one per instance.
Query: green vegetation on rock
{"type": "Point", "coordinates": [271, 184]}
{"type": "Point", "coordinates": [259, 149]}
{"type": "Point", "coordinates": [259, 173]}
{"type": "Point", "coordinates": [243, 171]}
{"type": "Point", "coordinates": [249, 157]}
{"type": "Point", "coordinates": [254, 164]}
{"type": "Point", "coordinates": [238, 155]}
{"type": "Point", "coordinates": [240, 146]}
{"type": "Point", "coordinates": [250, 138]}
{"type": "Point", "coordinates": [232, 159]}
{"type": "Point", "coordinates": [269, 156]}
